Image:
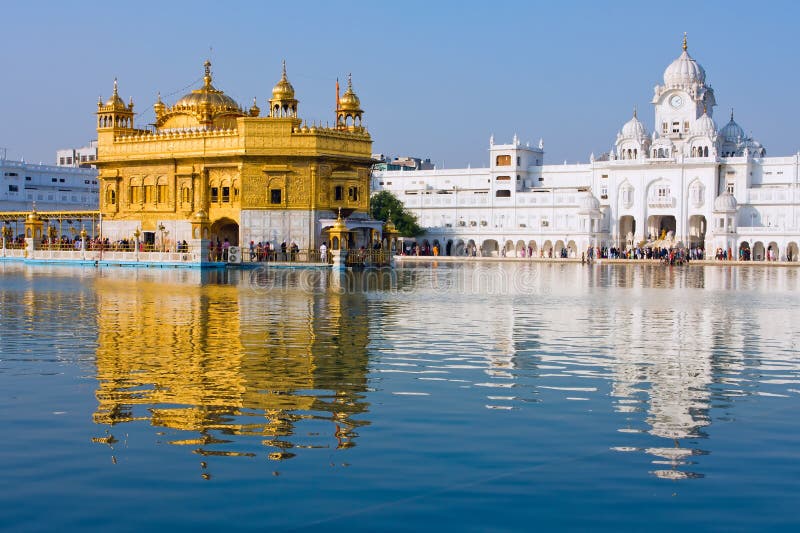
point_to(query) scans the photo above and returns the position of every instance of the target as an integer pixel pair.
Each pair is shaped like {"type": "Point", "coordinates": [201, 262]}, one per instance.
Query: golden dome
{"type": "Point", "coordinates": [340, 224]}
{"type": "Point", "coordinates": [349, 100]}
{"type": "Point", "coordinates": [283, 90]}
{"type": "Point", "coordinates": [254, 109]}
{"type": "Point", "coordinates": [389, 227]}
{"type": "Point", "coordinates": [207, 94]}
{"type": "Point", "coordinates": [115, 100]}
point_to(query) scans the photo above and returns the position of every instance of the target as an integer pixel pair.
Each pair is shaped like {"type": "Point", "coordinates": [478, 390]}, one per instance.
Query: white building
{"type": "Point", "coordinates": [689, 183]}
{"type": "Point", "coordinates": [48, 187]}
{"type": "Point", "coordinates": [84, 156]}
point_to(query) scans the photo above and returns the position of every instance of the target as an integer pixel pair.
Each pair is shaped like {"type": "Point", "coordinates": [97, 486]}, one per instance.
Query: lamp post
{"type": "Point", "coordinates": [51, 233]}
{"type": "Point", "coordinates": [161, 230]}
{"type": "Point", "coordinates": [136, 235]}
{"type": "Point", "coordinates": [6, 233]}
{"type": "Point", "coordinates": [83, 240]}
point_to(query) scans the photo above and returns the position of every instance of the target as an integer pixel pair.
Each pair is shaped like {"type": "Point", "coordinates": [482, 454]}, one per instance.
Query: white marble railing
{"type": "Point", "coordinates": [660, 201]}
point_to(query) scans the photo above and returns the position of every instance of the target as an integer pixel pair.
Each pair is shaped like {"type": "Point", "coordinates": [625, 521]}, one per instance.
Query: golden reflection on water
{"type": "Point", "coordinates": [220, 360]}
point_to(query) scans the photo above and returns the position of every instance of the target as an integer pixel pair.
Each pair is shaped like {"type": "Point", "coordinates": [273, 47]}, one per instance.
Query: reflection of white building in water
{"type": "Point", "coordinates": [712, 187]}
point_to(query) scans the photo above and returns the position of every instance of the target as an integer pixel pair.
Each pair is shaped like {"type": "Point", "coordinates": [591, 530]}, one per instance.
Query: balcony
{"type": "Point", "coordinates": [661, 201]}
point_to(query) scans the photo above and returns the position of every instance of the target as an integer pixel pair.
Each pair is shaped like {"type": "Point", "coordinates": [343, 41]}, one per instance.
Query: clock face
{"type": "Point", "coordinates": [676, 101]}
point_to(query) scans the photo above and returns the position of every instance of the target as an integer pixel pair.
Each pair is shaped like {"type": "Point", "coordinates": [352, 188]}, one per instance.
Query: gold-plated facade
{"type": "Point", "coordinates": [255, 178]}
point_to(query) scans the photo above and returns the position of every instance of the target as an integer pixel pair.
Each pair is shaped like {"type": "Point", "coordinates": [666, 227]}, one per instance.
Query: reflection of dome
{"type": "Point", "coordinates": [684, 70]}
{"type": "Point", "coordinates": [588, 203]}
{"type": "Point", "coordinates": [634, 128]}
{"type": "Point", "coordinates": [732, 132]}
{"type": "Point", "coordinates": [725, 202]}
{"type": "Point", "coordinates": [207, 94]}
{"type": "Point", "coordinates": [704, 126]}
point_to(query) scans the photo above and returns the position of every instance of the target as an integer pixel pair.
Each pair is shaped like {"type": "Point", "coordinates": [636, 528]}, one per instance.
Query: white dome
{"type": "Point", "coordinates": [725, 202]}
{"type": "Point", "coordinates": [634, 129]}
{"type": "Point", "coordinates": [704, 126]}
{"type": "Point", "coordinates": [684, 71]}
{"type": "Point", "coordinates": [732, 132]}
{"type": "Point", "coordinates": [588, 203]}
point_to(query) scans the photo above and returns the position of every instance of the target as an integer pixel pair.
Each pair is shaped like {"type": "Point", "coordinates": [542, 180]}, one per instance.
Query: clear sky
{"type": "Point", "coordinates": [435, 78]}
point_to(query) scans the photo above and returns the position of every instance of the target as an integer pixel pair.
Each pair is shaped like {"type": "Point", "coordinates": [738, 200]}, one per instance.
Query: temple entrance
{"type": "Point", "coordinates": [697, 231]}
{"type": "Point", "coordinates": [627, 230]}
{"type": "Point", "coordinates": [659, 226]}
{"type": "Point", "coordinates": [744, 251]}
{"type": "Point", "coordinates": [225, 228]}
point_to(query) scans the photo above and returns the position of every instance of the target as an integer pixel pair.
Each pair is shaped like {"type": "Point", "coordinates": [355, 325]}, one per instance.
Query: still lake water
{"type": "Point", "coordinates": [460, 397]}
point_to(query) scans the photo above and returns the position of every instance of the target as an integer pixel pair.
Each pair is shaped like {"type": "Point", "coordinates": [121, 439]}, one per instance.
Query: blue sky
{"type": "Point", "coordinates": [435, 78]}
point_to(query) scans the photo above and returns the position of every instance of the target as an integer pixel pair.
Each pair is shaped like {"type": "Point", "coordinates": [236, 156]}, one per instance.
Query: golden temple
{"type": "Point", "coordinates": [209, 170]}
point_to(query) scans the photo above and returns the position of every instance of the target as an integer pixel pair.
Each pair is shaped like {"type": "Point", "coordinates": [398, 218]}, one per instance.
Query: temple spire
{"type": "Point", "coordinates": [207, 76]}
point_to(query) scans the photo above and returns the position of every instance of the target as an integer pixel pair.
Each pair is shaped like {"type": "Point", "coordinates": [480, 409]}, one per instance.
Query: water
{"type": "Point", "coordinates": [466, 397]}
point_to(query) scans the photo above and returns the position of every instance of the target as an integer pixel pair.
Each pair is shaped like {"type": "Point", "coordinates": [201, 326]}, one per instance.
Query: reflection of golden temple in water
{"type": "Point", "coordinates": [226, 360]}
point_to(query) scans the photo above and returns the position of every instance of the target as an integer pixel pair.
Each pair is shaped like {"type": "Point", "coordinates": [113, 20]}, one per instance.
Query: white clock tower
{"type": "Point", "coordinates": [682, 99]}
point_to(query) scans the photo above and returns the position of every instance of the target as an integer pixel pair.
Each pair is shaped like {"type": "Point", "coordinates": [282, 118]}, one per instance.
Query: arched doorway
{"type": "Point", "coordinates": [460, 248]}
{"type": "Point", "coordinates": [547, 249]}
{"type": "Point", "coordinates": [225, 228]}
{"type": "Point", "coordinates": [559, 249]}
{"type": "Point", "coordinates": [508, 249]}
{"type": "Point", "coordinates": [572, 249]}
{"type": "Point", "coordinates": [448, 248]}
{"type": "Point", "coordinates": [758, 251]}
{"type": "Point", "coordinates": [697, 231]}
{"type": "Point", "coordinates": [792, 252]}
{"type": "Point", "coordinates": [520, 249]}
{"type": "Point", "coordinates": [627, 231]}
{"type": "Point", "coordinates": [773, 252]}
{"type": "Point", "coordinates": [744, 251]}
{"type": "Point", "coordinates": [490, 248]}
{"type": "Point", "coordinates": [660, 226]}
{"type": "Point", "coordinates": [532, 249]}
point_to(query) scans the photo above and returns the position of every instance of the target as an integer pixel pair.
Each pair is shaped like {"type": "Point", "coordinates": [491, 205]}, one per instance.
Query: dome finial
{"type": "Point", "coordinates": [731, 114]}
{"type": "Point", "coordinates": [284, 69]}
{"type": "Point", "coordinates": [705, 110]}
{"type": "Point", "coordinates": [349, 80]}
{"type": "Point", "coordinates": [115, 87]}
{"type": "Point", "coordinates": [684, 42]}
{"type": "Point", "coordinates": [634, 112]}
{"type": "Point", "coordinates": [207, 77]}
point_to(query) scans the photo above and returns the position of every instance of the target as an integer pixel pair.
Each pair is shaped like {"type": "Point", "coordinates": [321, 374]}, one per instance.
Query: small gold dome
{"type": "Point", "coordinates": [349, 100]}
{"type": "Point", "coordinates": [283, 90]}
{"type": "Point", "coordinates": [115, 100]}
{"type": "Point", "coordinates": [201, 215]}
{"type": "Point", "coordinates": [254, 109]}
{"type": "Point", "coordinates": [389, 227]}
{"type": "Point", "coordinates": [33, 216]}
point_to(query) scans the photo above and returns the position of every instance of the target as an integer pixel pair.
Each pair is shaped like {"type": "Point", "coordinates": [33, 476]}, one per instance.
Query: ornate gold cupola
{"type": "Point", "coordinates": [283, 103]}
{"type": "Point", "coordinates": [206, 108]}
{"type": "Point", "coordinates": [348, 112]}
{"type": "Point", "coordinates": [114, 114]}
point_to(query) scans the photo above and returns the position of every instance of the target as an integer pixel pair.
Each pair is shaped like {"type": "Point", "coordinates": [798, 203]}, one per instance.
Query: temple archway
{"type": "Point", "coordinates": [490, 248]}
{"type": "Point", "coordinates": [660, 225]}
{"type": "Point", "coordinates": [697, 231]}
{"type": "Point", "coordinates": [758, 251]}
{"type": "Point", "coordinates": [792, 252]}
{"type": "Point", "coordinates": [627, 230]}
{"type": "Point", "coordinates": [225, 228]}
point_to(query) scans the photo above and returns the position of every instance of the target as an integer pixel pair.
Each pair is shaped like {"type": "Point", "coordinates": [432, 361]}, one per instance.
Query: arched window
{"type": "Point", "coordinates": [111, 196]}
{"type": "Point", "coordinates": [705, 151]}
